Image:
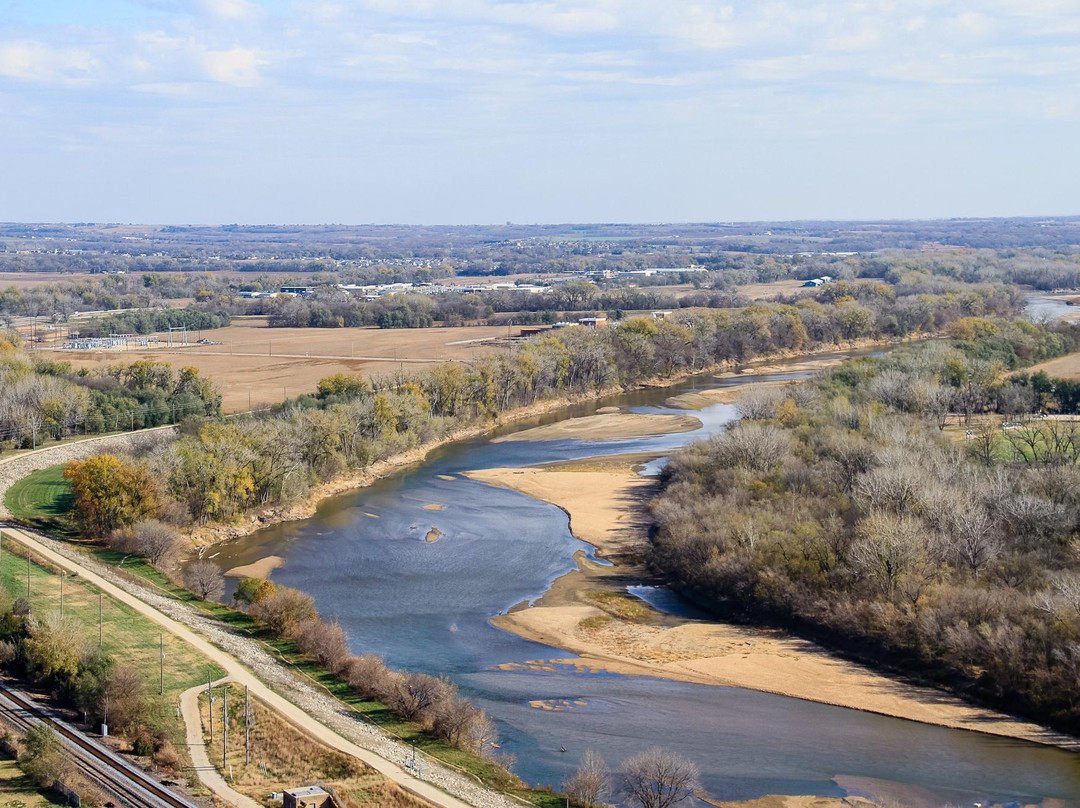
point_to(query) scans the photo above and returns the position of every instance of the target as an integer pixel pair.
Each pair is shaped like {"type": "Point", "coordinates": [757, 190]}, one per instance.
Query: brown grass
{"type": "Point", "coordinates": [768, 291]}
{"type": "Point", "coordinates": [264, 365]}
{"type": "Point", "coordinates": [1064, 367]}
{"type": "Point", "coordinates": [284, 757]}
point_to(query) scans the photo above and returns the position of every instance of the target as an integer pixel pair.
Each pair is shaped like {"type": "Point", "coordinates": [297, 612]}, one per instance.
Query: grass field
{"type": "Point", "coordinates": [1064, 367]}
{"type": "Point", "coordinates": [262, 365]}
{"type": "Point", "coordinates": [43, 499]}
{"type": "Point", "coordinates": [129, 637]}
{"type": "Point", "coordinates": [769, 291]}
{"type": "Point", "coordinates": [17, 791]}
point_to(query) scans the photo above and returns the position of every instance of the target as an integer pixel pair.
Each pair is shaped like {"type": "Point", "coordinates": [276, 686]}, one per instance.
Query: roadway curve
{"type": "Point", "coordinates": [470, 793]}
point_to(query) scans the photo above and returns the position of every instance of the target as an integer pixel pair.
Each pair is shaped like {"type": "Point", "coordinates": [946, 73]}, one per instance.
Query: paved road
{"type": "Point", "coordinates": [243, 676]}
{"type": "Point", "coordinates": [200, 758]}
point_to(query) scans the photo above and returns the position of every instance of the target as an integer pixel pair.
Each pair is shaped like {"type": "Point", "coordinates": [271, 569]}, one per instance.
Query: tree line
{"type": "Point", "coordinates": [41, 399]}
{"type": "Point", "coordinates": [848, 508]}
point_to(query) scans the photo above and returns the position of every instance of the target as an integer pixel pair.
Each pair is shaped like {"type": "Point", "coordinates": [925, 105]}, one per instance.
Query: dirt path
{"type": "Point", "coordinates": [314, 714]}
{"type": "Point", "coordinates": [200, 759]}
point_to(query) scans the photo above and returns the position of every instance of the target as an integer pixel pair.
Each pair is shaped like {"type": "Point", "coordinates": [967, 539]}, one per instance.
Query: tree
{"type": "Point", "coordinates": [204, 579]}
{"type": "Point", "coordinates": [589, 785]}
{"type": "Point", "coordinates": [325, 642]}
{"type": "Point", "coordinates": [110, 493]}
{"type": "Point", "coordinates": [156, 541]}
{"type": "Point", "coordinates": [54, 647]}
{"type": "Point", "coordinates": [283, 610]}
{"type": "Point", "coordinates": [42, 757]}
{"type": "Point", "coordinates": [658, 778]}
{"type": "Point", "coordinates": [125, 697]}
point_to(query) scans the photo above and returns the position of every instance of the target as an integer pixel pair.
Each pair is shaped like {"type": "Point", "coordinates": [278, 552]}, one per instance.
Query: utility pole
{"type": "Point", "coordinates": [210, 698]}
{"type": "Point", "coordinates": [27, 581]}
{"type": "Point", "coordinates": [99, 620]}
{"type": "Point", "coordinates": [247, 725]}
{"type": "Point", "coordinates": [161, 671]}
{"type": "Point", "coordinates": [61, 593]}
{"type": "Point", "coordinates": [225, 728]}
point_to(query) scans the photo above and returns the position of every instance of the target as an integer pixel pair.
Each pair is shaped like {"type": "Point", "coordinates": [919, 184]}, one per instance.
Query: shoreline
{"type": "Point", "coordinates": [588, 612]}
{"type": "Point", "coordinates": [206, 536]}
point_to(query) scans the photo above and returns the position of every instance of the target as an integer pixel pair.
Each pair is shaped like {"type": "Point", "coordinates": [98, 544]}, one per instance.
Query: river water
{"type": "Point", "coordinates": [426, 606]}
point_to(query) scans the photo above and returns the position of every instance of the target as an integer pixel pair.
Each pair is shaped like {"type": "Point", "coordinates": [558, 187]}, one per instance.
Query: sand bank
{"type": "Point", "coordinates": [700, 399]}
{"type": "Point", "coordinates": [606, 426]}
{"type": "Point", "coordinates": [257, 569]}
{"type": "Point", "coordinates": [589, 613]}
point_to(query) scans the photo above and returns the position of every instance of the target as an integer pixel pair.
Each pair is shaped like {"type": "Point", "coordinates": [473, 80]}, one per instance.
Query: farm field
{"type": "Point", "coordinates": [264, 365]}
{"type": "Point", "coordinates": [31, 280]}
{"type": "Point", "coordinates": [1064, 367]}
{"type": "Point", "coordinates": [768, 291]}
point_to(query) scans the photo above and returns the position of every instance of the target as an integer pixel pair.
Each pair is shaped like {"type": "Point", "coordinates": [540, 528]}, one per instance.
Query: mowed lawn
{"type": "Point", "coordinates": [16, 789]}
{"type": "Point", "coordinates": [130, 638]}
{"type": "Point", "coordinates": [42, 498]}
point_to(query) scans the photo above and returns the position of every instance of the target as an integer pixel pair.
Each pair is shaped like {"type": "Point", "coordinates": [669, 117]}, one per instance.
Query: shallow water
{"type": "Point", "coordinates": [426, 606]}
{"type": "Point", "coordinates": [1047, 308]}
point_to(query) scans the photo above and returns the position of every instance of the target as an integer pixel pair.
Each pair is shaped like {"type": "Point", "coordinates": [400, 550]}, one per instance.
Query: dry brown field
{"type": "Point", "coordinates": [1064, 367]}
{"type": "Point", "coordinates": [262, 365]}
{"type": "Point", "coordinates": [769, 291]}
{"type": "Point", "coordinates": [29, 280]}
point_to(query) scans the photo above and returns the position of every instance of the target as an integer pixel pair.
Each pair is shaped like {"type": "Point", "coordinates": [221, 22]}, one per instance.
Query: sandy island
{"type": "Point", "coordinates": [606, 426]}
{"type": "Point", "coordinates": [257, 569]}
{"type": "Point", "coordinates": [589, 613]}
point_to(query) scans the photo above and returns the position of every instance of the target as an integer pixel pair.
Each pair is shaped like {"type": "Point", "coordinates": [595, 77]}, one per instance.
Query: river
{"type": "Point", "coordinates": [426, 607]}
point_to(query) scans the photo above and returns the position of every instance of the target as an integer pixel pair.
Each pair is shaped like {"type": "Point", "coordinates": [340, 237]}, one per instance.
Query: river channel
{"type": "Point", "coordinates": [426, 607]}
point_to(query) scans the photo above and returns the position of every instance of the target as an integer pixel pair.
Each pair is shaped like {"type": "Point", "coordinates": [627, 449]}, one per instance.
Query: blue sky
{"type": "Point", "coordinates": [476, 111]}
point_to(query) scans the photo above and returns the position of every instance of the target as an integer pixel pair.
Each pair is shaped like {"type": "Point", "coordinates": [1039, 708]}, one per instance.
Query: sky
{"type": "Point", "coordinates": [533, 111]}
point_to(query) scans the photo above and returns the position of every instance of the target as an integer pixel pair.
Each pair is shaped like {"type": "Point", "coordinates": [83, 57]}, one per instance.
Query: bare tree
{"type": "Point", "coordinates": [205, 580]}
{"type": "Point", "coordinates": [975, 537]}
{"type": "Point", "coordinates": [156, 541]}
{"type": "Point", "coordinates": [658, 778]}
{"type": "Point", "coordinates": [757, 402]}
{"type": "Point", "coordinates": [325, 642]}
{"type": "Point", "coordinates": [887, 548]}
{"type": "Point", "coordinates": [590, 784]}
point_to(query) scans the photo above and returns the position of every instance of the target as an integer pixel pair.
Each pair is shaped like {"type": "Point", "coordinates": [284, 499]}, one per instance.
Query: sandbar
{"type": "Point", "coordinates": [606, 426]}
{"type": "Point", "coordinates": [588, 613]}
{"type": "Point", "coordinates": [434, 507]}
{"type": "Point", "coordinates": [700, 399]}
{"type": "Point", "coordinates": [257, 569]}
{"type": "Point", "coordinates": [433, 535]}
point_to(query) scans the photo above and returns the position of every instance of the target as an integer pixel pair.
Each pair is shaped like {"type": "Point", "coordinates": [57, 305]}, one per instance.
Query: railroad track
{"type": "Point", "coordinates": [125, 782]}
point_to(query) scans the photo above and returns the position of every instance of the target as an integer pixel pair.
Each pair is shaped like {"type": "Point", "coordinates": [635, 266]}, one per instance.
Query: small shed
{"type": "Point", "coordinates": [306, 797]}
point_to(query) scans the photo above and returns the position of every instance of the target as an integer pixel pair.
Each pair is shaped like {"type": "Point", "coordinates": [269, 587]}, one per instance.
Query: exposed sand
{"type": "Point", "coordinates": [257, 569]}
{"type": "Point", "coordinates": [606, 426]}
{"type": "Point", "coordinates": [701, 399]}
{"type": "Point", "coordinates": [603, 506]}
{"type": "Point", "coordinates": [433, 535]}
{"type": "Point", "coordinates": [434, 507]}
{"type": "Point", "coordinates": [588, 613]}
{"type": "Point", "coordinates": [785, 801]}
